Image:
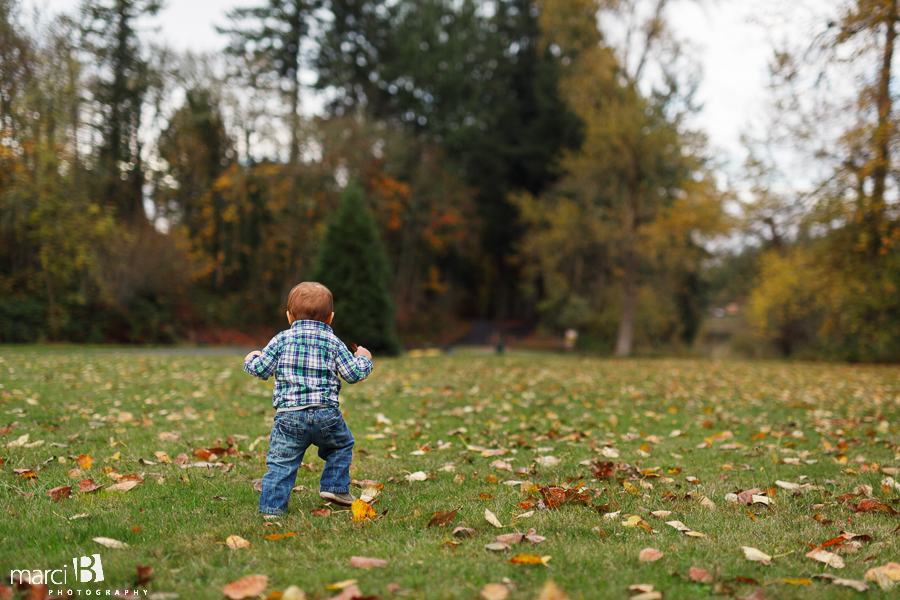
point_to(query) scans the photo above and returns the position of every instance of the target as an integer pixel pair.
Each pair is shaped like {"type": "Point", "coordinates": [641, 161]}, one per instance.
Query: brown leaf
{"type": "Point", "coordinates": [441, 517]}
{"type": "Point", "coordinates": [235, 542]}
{"type": "Point", "coordinates": [497, 546]}
{"type": "Point", "coordinates": [462, 532]}
{"type": "Point", "coordinates": [252, 585]}
{"type": "Point", "coordinates": [550, 591]}
{"type": "Point", "coordinates": [829, 558]}
{"type": "Point", "coordinates": [494, 591]}
{"type": "Point", "coordinates": [700, 575]}
{"type": "Point", "coordinates": [58, 493]}
{"type": "Point", "coordinates": [511, 538]}
{"type": "Point", "coordinates": [367, 563]}
{"type": "Point", "coordinates": [84, 461]}
{"type": "Point", "coordinates": [349, 593]}
{"type": "Point", "coordinates": [649, 555]}
{"type": "Point", "coordinates": [872, 505]}
{"type": "Point", "coordinates": [123, 486]}
{"type": "Point", "coordinates": [143, 576]}
{"type": "Point", "coordinates": [322, 512]}
{"type": "Point", "coordinates": [86, 486]}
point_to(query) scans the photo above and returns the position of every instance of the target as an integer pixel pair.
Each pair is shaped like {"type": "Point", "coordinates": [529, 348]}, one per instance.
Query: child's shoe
{"type": "Point", "coordinates": [344, 499]}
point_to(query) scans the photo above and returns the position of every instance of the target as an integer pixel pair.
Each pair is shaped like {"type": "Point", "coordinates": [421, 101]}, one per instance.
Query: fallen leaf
{"type": "Point", "coordinates": [641, 587]}
{"type": "Point", "coordinates": [417, 476]}
{"type": "Point", "coordinates": [649, 555]}
{"type": "Point", "coordinates": [511, 538]}
{"type": "Point", "coordinates": [348, 593]}
{"type": "Point", "coordinates": [700, 576]}
{"type": "Point", "coordinates": [872, 505]}
{"type": "Point", "coordinates": [885, 575]}
{"type": "Point", "coordinates": [58, 493]}
{"type": "Point", "coordinates": [494, 591]}
{"type": "Point", "coordinates": [252, 585]}
{"type": "Point", "coordinates": [528, 559]}
{"type": "Point", "coordinates": [547, 461]}
{"type": "Point", "coordinates": [550, 591]}
{"type": "Point", "coordinates": [322, 512]}
{"type": "Point", "coordinates": [802, 581]}
{"type": "Point", "coordinates": [84, 461]}
{"type": "Point", "coordinates": [279, 536]}
{"type": "Point", "coordinates": [110, 543]}
{"type": "Point", "coordinates": [647, 596]}
{"type": "Point", "coordinates": [123, 486]}
{"type": "Point", "coordinates": [293, 593]}
{"type": "Point", "coordinates": [86, 486]}
{"type": "Point", "coordinates": [492, 518]}
{"type": "Point", "coordinates": [462, 532]}
{"type": "Point", "coordinates": [362, 511]}
{"type": "Point", "coordinates": [829, 558]}
{"type": "Point", "coordinates": [497, 546]}
{"type": "Point", "coordinates": [755, 555]}
{"type": "Point", "coordinates": [441, 518]}
{"type": "Point", "coordinates": [367, 563]}
{"type": "Point", "coordinates": [235, 541]}
{"type": "Point", "coordinates": [342, 585]}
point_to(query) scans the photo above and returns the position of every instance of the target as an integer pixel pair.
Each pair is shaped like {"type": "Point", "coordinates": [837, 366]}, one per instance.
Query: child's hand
{"type": "Point", "coordinates": [251, 355]}
{"type": "Point", "coordinates": [360, 351]}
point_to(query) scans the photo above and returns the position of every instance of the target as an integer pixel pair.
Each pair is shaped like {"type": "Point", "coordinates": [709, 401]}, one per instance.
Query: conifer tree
{"type": "Point", "coordinates": [352, 263]}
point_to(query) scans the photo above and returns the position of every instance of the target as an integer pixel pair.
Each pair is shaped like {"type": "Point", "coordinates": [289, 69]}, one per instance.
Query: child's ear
{"type": "Point", "coordinates": [330, 319]}
{"type": "Point", "coordinates": [290, 317]}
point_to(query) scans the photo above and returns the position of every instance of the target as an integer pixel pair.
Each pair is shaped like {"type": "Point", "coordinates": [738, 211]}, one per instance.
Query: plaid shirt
{"type": "Point", "coordinates": [306, 360]}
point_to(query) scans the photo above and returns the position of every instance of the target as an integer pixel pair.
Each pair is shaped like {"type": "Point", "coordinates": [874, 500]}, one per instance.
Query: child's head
{"type": "Point", "coordinates": [310, 301]}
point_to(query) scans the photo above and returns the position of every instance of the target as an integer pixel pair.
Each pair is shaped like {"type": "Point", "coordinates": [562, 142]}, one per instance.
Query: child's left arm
{"type": "Point", "coordinates": [353, 368]}
{"type": "Point", "coordinates": [262, 364]}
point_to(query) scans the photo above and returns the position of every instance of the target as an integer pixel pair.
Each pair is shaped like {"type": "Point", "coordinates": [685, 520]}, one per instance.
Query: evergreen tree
{"type": "Point", "coordinates": [352, 263]}
{"type": "Point", "coordinates": [123, 80]}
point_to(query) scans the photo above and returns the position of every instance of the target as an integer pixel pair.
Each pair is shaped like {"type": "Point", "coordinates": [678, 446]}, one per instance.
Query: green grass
{"type": "Point", "coordinates": [531, 404]}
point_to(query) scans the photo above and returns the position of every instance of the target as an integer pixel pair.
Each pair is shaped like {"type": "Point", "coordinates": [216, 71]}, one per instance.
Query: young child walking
{"type": "Point", "coordinates": [306, 360]}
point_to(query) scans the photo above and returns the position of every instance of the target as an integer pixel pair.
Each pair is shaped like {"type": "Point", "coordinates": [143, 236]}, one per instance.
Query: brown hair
{"type": "Point", "coordinates": [310, 301]}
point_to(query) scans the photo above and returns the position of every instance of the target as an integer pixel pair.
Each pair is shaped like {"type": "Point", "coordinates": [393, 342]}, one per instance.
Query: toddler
{"type": "Point", "coordinates": [306, 360]}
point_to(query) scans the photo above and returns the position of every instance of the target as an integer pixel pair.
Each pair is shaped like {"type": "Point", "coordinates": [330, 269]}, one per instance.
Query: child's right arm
{"type": "Point", "coordinates": [262, 364]}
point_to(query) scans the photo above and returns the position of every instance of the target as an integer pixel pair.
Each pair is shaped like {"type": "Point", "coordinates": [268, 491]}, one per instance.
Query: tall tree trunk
{"type": "Point", "coordinates": [882, 132]}
{"type": "Point", "coordinates": [625, 339]}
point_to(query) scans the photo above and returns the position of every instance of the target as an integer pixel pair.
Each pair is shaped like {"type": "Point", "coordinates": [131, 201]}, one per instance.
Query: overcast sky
{"type": "Point", "coordinates": [732, 46]}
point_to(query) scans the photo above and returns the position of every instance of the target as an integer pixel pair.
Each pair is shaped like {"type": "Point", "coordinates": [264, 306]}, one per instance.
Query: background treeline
{"type": "Point", "coordinates": [520, 163]}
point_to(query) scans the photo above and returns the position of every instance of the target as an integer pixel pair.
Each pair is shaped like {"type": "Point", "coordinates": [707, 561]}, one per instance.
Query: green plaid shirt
{"type": "Point", "coordinates": [306, 361]}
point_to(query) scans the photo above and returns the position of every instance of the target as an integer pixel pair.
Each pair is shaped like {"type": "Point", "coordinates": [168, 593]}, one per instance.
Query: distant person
{"type": "Point", "coordinates": [306, 361]}
{"type": "Point", "coordinates": [571, 337]}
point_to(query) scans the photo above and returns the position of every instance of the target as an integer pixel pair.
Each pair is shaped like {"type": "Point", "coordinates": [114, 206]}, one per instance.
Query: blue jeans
{"type": "Point", "coordinates": [292, 433]}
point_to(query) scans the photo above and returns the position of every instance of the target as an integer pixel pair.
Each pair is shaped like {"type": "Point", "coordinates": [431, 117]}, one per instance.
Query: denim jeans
{"type": "Point", "coordinates": [292, 433]}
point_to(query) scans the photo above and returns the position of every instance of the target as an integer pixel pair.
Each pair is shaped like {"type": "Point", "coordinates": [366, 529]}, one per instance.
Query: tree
{"type": "Point", "coordinates": [353, 265]}
{"type": "Point", "coordinates": [843, 130]}
{"type": "Point", "coordinates": [471, 78]}
{"type": "Point", "coordinates": [638, 194]}
{"type": "Point", "coordinates": [123, 79]}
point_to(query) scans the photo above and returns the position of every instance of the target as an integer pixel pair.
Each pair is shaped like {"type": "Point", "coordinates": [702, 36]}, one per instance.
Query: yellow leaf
{"type": "Point", "coordinates": [362, 511]}
{"type": "Point", "coordinates": [339, 585]}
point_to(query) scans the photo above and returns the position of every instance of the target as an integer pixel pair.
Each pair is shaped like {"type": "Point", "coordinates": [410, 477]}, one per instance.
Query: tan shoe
{"type": "Point", "coordinates": [344, 499]}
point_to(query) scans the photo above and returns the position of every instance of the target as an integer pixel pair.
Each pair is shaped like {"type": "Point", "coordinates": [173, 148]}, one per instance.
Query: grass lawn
{"type": "Point", "coordinates": [662, 435]}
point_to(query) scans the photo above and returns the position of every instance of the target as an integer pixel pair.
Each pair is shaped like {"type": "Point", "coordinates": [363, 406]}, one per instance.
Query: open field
{"type": "Point", "coordinates": [661, 435]}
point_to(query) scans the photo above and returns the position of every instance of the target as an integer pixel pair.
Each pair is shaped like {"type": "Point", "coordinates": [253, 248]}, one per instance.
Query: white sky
{"type": "Point", "coordinates": [732, 48]}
